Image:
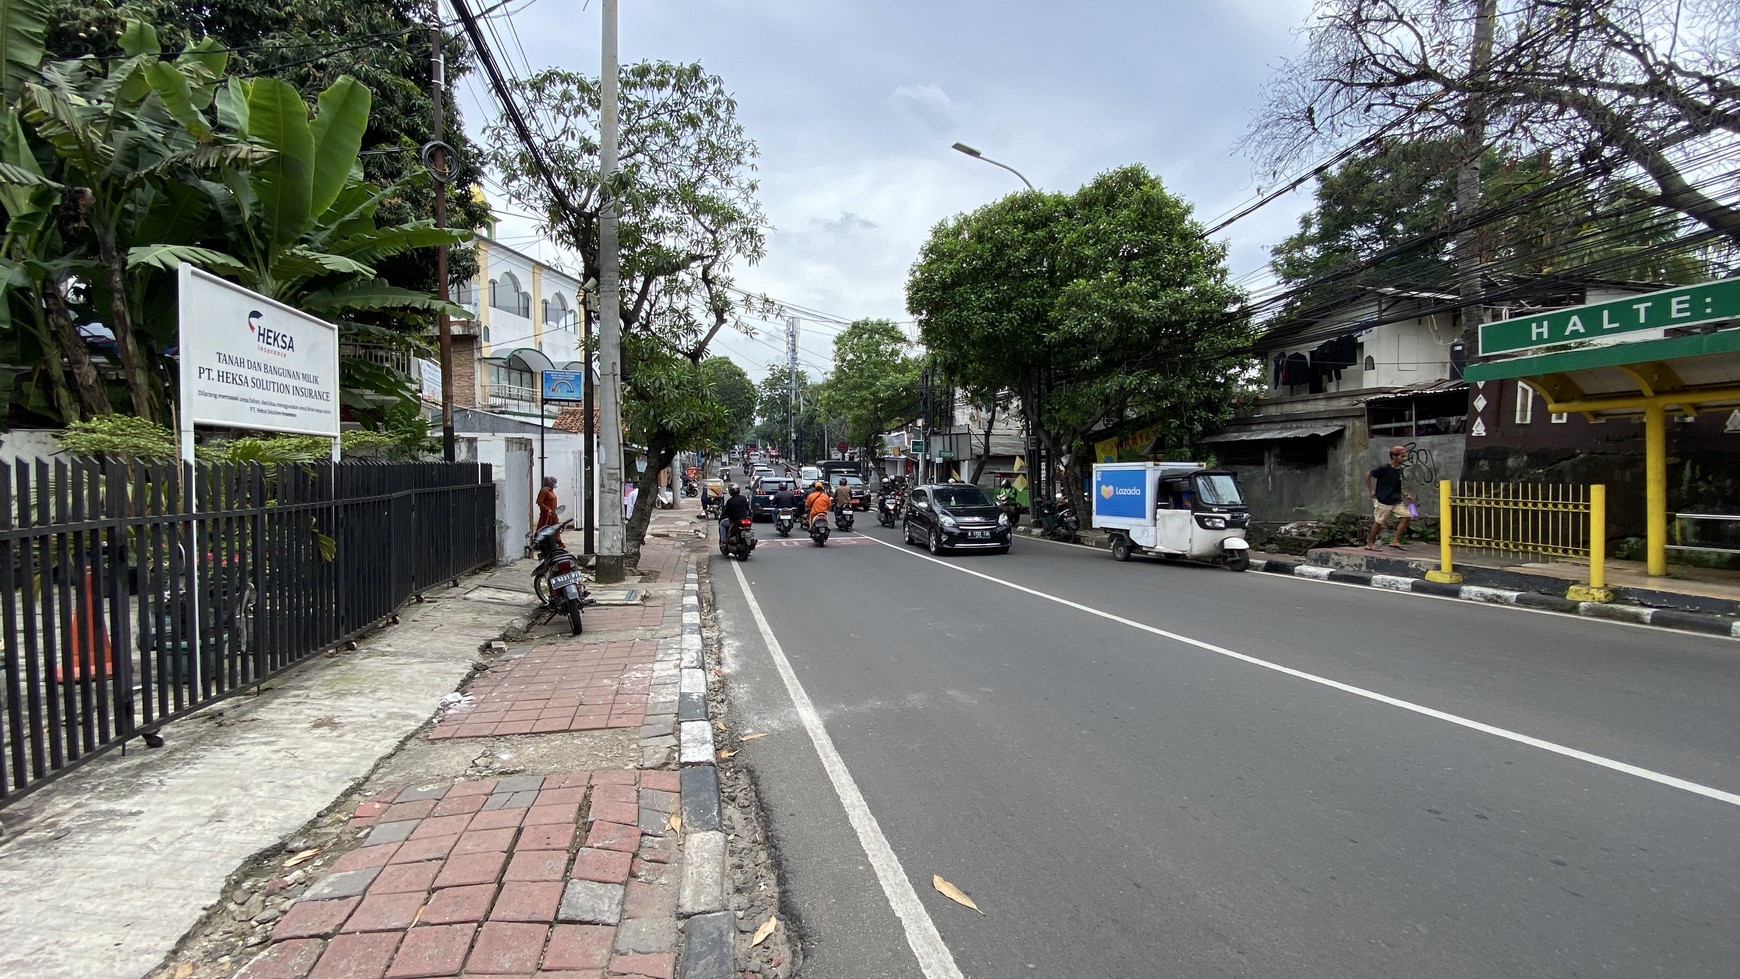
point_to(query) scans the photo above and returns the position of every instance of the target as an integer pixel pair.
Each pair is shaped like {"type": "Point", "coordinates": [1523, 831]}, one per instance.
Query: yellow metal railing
{"type": "Point", "coordinates": [1547, 520]}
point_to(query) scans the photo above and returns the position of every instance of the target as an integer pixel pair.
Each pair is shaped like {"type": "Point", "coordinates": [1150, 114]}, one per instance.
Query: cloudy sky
{"type": "Point", "coordinates": [854, 105]}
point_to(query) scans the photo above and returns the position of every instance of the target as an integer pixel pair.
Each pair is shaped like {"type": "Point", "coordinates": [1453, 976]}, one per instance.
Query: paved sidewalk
{"type": "Point", "coordinates": [548, 870]}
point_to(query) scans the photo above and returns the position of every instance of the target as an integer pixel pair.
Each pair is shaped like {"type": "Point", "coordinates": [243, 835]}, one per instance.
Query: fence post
{"type": "Point", "coordinates": [1446, 572]}
{"type": "Point", "coordinates": [1596, 590]}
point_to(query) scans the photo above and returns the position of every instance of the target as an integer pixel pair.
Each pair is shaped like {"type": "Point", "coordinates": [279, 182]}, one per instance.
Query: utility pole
{"type": "Point", "coordinates": [1468, 189]}
{"type": "Point", "coordinates": [610, 568]}
{"type": "Point", "coordinates": [438, 166]}
{"type": "Point", "coordinates": [589, 432]}
{"type": "Point", "coordinates": [791, 362]}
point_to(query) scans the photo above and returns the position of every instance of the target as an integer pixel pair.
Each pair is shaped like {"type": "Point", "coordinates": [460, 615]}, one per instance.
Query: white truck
{"type": "Point", "coordinates": [1178, 510]}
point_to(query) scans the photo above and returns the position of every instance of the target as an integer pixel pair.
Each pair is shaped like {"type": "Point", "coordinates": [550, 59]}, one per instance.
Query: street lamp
{"type": "Point", "coordinates": [975, 154]}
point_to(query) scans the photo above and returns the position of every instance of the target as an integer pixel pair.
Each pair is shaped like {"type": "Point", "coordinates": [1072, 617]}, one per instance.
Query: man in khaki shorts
{"type": "Point", "coordinates": [1384, 483]}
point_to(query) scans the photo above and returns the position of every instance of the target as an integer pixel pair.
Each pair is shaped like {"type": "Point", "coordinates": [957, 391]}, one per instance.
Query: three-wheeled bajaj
{"type": "Point", "coordinates": [1178, 510]}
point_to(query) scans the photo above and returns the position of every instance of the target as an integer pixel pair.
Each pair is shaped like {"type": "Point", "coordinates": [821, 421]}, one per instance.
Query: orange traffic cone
{"type": "Point", "coordinates": [87, 634]}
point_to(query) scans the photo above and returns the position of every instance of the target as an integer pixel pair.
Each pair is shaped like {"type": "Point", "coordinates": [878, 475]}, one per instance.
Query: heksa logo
{"type": "Point", "coordinates": [272, 339]}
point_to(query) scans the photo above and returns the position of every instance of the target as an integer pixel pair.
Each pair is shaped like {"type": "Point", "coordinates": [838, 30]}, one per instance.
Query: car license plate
{"type": "Point", "coordinates": [978, 533]}
{"type": "Point", "coordinates": [564, 580]}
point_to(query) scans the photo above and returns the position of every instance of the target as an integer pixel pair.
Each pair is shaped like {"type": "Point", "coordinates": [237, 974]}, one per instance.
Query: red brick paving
{"type": "Point", "coordinates": [558, 687]}
{"type": "Point", "coordinates": [484, 902]}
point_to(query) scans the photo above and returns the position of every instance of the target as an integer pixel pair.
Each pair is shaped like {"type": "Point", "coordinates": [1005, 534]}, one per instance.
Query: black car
{"type": "Point", "coordinates": [761, 501]}
{"type": "Point", "coordinates": [860, 492]}
{"type": "Point", "coordinates": [946, 516]}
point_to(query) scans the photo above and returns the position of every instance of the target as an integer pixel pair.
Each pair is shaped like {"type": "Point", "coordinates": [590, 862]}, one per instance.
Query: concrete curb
{"type": "Point", "coordinates": [709, 939]}
{"type": "Point", "coordinates": [1701, 622]}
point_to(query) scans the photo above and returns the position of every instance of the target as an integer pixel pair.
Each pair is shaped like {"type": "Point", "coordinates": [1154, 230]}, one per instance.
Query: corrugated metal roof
{"type": "Point", "coordinates": [1274, 432]}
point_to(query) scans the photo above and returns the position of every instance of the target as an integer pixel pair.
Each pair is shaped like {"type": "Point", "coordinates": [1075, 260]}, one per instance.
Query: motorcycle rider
{"type": "Point", "coordinates": [785, 499]}
{"type": "Point", "coordinates": [843, 495]}
{"type": "Point", "coordinates": [816, 504]}
{"type": "Point", "coordinates": [736, 508]}
{"type": "Point", "coordinates": [1007, 500]}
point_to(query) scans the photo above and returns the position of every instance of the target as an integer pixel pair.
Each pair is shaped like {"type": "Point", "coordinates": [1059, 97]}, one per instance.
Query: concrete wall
{"type": "Point", "coordinates": [28, 443]}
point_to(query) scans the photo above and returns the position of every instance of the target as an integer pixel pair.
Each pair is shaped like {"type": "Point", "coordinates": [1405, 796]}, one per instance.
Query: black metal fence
{"type": "Point", "coordinates": [123, 606]}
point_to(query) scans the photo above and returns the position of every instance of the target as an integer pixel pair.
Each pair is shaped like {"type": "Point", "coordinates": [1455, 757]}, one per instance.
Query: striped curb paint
{"type": "Point", "coordinates": [709, 951]}
{"type": "Point", "coordinates": [1666, 618]}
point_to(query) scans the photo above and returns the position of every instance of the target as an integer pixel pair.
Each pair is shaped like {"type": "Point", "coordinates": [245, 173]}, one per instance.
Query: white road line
{"type": "Point", "coordinates": [934, 958]}
{"type": "Point", "coordinates": [1672, 781]}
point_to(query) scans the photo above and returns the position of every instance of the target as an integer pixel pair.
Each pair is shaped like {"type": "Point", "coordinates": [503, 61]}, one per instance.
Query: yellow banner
{"type": "Point", "coordinates": [1130, 448]}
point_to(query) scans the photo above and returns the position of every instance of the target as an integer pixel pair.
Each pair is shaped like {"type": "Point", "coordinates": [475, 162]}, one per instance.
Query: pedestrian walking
{"type": "Point", "coordinates": [547, 503]}
{"type": "Point", "coordinates": [1389, 500]}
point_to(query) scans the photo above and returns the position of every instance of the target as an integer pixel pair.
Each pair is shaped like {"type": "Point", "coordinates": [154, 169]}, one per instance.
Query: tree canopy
{"type": "Point", "coordinates": [875, 382]}
{"type": "Point", "coordinates": [1384, 217]}
{"type": "Point", "coordinates": [685, 197]}
{"type": "Point", "coordinates": [1095, 308]}
{"type": "Point", "coordinates": [1638, 89]}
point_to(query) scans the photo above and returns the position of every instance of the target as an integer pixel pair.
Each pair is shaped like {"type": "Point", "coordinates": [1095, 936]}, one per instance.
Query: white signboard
{"type": "Point", "coordinates": [430, 372]}
{"type": "Point", "coordinates": [254, 363]}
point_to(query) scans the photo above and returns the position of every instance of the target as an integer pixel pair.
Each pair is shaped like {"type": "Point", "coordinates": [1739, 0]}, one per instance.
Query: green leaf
{"type": "Point", "coordinates": [337, 130]}
{"type": "Point", "coordinates": [16, 176]}
{"type": "Point", "coordinates": [168, 257]}
{"type": "Point", "coordinates": [382, 243]}
{"type": "Point", "coordinates": [278, 118]}
{"type": "Point", "coordinates": [301, 263]}
{"type": "Point", "coordinates": [139, 38]}
{"type": "Point", "coordinates": [376, 294]}
{"type": "Point", "coordinates": [24, 25]}
{"type": "Point", "coordinates": [176, 95]}
{"type": "Point", "coordinates": [232, 106]}
{"type": "Point", "coordinates": [59, 122]}
{"type": "Point", "coordinates": [204, 64]}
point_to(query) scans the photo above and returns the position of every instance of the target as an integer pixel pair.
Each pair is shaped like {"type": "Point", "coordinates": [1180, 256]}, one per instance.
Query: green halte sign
{"type": "Point", "coordinates": [1684, 306]}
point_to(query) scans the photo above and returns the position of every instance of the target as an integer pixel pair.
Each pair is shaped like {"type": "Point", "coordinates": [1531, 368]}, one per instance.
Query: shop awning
{"type": "Point", "coordinates": [1684, 373]}
{"type": "Point", "coordinates": [1271, 432]}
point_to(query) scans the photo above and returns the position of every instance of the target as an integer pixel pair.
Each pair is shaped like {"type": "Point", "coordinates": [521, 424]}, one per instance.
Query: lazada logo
{"type": "Point", "coordinates": [269, 337]}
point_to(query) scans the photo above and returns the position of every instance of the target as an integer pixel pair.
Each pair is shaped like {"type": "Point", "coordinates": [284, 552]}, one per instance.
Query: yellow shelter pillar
{"type": "Point", "coordinates": [1655, 486]}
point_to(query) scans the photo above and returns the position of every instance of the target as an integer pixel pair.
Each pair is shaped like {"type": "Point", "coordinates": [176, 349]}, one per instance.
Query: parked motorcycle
{"type": "Point", "coordinates": [819, 529]}
{"type": "Point", "coordinates": [844, 516]}
{"type": "Point", "coordinates": [739, 539]}
{"type": "Point", "coordinates": [1059, 521]}
{"type": "Point", "coordinates": [713, 506]}
{"type": "Point", "coordinates": [557, 580]}
{"type": "Point", "coordinates": [782, 520]}
{"type": "Point", "coordinates": [887, 509]}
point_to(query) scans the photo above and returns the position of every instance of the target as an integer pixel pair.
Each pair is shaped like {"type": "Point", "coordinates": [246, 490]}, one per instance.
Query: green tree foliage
{"type": "Point", "coordinates": [111, 175]}
{"type": "Point", "coordinates": [875, 383]}
{"type": "Point", "coordinates": [687, 213]}
{"type": "Point", "coordinates": [1386, 218]}
{"type": "Point", "coordinates": [1094, 308]}
{"type": "Point", "coordinates": [311, 44]}
{"type": "Point", "coordinates": [778, 418]}
{"type": "Point", "coordinates": [728, 385]}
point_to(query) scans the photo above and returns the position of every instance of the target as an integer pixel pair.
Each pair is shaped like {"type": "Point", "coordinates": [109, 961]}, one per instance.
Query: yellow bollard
{"type": "Point", "coordinates": [1446, 572]}
{"type": "Point", "coordinates": [1596, 590]}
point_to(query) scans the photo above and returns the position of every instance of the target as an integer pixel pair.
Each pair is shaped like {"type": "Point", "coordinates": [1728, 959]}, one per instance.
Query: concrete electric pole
{"type": "Point", "coordinates": [611, 545]}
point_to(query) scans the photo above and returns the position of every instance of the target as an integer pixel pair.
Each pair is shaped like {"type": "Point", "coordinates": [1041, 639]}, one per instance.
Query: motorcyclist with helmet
{"type": "Point", "coordinates": [736, 508]}
{"type": "Point", "coordinates": [816, 502]}
{"type": "Point", "coordinates": [1008, 500]}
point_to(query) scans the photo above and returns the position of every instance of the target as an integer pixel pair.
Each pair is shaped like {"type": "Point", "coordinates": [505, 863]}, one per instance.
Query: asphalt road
{"type": "Point", "coordinates": [1181, 771]}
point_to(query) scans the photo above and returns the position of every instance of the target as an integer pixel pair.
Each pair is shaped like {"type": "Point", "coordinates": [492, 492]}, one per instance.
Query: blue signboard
{"type": "Point", "coordinates": [564, 385]}
{"type": "Point", "coordinates": [1121, 493]}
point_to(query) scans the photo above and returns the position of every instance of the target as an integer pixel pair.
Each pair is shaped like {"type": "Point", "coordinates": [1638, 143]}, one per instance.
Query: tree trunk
{"type": "Point", "coordinates": [93, 399]}
{"type": "Point", "coordinates": [985, 453]}
{"type": "Point", "coordinates": [661, 452]}
{"type": "Point", "coordinates": [133, 368]}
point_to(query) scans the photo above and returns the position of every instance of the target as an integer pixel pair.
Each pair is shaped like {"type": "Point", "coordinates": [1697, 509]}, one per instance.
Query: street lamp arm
{"type": "Point", "coordinates": [975, 154]}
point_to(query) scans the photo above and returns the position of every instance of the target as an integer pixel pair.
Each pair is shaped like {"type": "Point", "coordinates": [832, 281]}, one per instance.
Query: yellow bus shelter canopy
{"type": "Point", "coordinates": [1683, 374]}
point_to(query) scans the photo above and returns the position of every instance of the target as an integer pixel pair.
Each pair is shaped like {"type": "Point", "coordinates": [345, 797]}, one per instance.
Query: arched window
{"type": "Point", "coordinates": [505, 295]}
{"type": "Point", "coordinates": [556, 311]}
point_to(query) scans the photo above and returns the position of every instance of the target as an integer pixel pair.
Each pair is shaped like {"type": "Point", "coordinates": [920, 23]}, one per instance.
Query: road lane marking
{"type": "Point", "coordinates": [934, 958]}
{"type": "Point", "coordinates": [1612, 764]}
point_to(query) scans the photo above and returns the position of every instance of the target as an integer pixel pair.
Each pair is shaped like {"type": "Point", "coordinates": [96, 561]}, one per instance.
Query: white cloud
{"type": "Point", "coordinates": [928, 104]}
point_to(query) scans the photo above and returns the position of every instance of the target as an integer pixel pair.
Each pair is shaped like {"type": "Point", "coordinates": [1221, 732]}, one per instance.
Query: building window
{"type": "Point", "coordinates": [556, 312]}
{"type": "Point", "coordinates": [1525, 403]}
{"type": "Point", "coordinates": [505, 295]}
{"type": "Point", "coordinates": [1242, 453]}
{"type": "Point", "coordinates": [1302, 453]}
